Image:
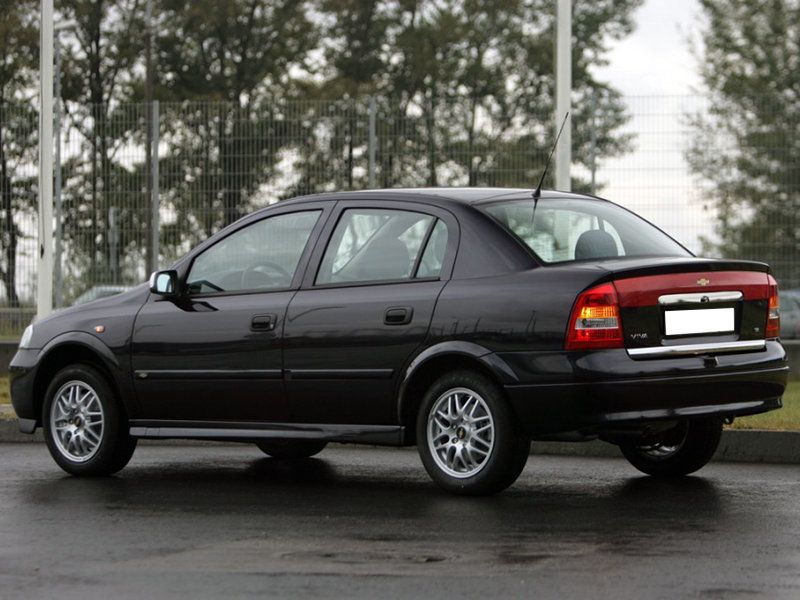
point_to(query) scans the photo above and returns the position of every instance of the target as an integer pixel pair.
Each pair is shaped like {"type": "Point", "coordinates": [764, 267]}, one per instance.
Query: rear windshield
{"type": "Point", "coordinates": [562, 230]}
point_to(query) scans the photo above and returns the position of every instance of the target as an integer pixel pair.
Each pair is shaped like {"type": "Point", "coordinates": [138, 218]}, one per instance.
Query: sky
{"type": "Point", "coordinates": [655, 69]}
{"type": "Point", "coordinates": [656, 58]}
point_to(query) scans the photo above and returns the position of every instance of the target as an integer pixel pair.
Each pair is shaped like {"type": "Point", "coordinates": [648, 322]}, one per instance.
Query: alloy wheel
{"type": "Point", "coordinates": [77, 421]}
{"type": "Point", "coordinates": [461, 432]}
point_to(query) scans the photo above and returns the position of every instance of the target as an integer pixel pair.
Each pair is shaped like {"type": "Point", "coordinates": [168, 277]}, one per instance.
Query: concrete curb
{"type": "Point", "coordinates": [9, 433]}
{"type": "Point", "coordinates": [738, 445]}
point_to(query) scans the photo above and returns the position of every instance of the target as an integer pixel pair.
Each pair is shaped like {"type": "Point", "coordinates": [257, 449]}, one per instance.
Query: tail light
{"type": "Point", "coordinates": [773, 328]}
{"type": "Point", "coordinates": [594, 322]}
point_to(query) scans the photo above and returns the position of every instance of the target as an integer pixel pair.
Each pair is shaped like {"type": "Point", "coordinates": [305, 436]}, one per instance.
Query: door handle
{"type": "Point", "coordinates": [398, 316]}
{"type": "Point", "coordinates": [263, 322]}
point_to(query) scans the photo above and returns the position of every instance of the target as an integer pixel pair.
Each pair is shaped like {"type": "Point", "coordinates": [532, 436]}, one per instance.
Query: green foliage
{"type": "Point", "coordinates": [18, 63]}
{"type": "Point", "coordinates": [249, 54]}
{"type": "Point", "coordinates": [18, 48]}
{"type": "Point", "coordinates": [231, 50]}
{"type": "Point", "coordinates": [465, 87]}
{"type": "Point", "coordinates": [99, 74]}
{"type": "Point", "coordinates": [747, 150]}
{"type": "Point", "coordinates": [463, 91]}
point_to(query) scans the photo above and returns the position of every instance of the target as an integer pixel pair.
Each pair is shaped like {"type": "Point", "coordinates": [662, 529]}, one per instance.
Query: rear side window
{"type": "Point", "coordinates": [433, 258]}
{"type": "Point", "coordinates": [379, 245]}
{"type": "Point", "coordinates": [562, 230]}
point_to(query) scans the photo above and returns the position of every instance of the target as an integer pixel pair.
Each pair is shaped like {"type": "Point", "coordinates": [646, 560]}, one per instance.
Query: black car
{"type": "Point", "coordinates": [466, 321]}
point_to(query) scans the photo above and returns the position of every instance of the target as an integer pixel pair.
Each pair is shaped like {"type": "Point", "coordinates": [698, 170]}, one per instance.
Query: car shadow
{"type": "Point", "coordinates": [272, 492]}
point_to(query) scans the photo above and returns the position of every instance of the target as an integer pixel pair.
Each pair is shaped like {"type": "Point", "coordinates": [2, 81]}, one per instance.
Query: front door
{"type": "Point", "coordinates": [214, 353]}
{"type": "Point", "coordinates": [364, 311]}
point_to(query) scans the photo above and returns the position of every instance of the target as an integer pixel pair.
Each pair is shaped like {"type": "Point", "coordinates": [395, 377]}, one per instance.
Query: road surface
{"type": "Point", "coordinates": [224, 521]}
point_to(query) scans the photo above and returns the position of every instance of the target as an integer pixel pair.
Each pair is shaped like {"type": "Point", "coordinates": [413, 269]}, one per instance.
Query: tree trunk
{"type": "Point", "coordinates": [432, 178]}
{"type": "Point", "coordinates": [93, 228]}
{"type": "Point", "coordinates": [473, 172]}
{"type": "Point", "coordinates": [10, 251]}
{"type": "Point", "coordinates": [351, 125]}
{"type": "Point", "coordinates": [230, 195]}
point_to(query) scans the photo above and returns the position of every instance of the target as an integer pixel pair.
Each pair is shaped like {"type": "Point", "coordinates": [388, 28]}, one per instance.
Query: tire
{"type": "Point", "coordinates": [291, 448]}
{"type": "Point", "coordinates": [490, 459]}
{"type": "Point", "coordinates": [84, 427]}
{"type": "Point", "coordinates": [683, 450]}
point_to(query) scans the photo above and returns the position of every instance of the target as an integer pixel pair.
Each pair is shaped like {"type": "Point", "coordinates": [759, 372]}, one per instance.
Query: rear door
{"type": "Point", "coordinates": [365, 307]}
{"type": "Point", "coordinates": [214, 352]}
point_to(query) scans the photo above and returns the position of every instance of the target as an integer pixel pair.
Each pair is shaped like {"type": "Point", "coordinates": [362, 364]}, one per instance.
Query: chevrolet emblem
{"type": "Point", "coordinates": [703, 281]}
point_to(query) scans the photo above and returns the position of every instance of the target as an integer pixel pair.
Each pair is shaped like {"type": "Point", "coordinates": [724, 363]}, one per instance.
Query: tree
{"type": "Point", "coordinates": [18, 63]}
{"type": "Point", "coordinates": [104, 221]}
{"type": "Point", "coordinates": [746, 148]}
{"type": "Point", "coordinates": [232, 65]}
{"type": "Point", "coordinates": [465, 88]}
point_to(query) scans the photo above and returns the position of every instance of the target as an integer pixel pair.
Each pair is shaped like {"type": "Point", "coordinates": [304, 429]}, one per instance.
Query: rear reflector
{"type": "Point", "coordinates": [773, 328]}
{"type": "Point", "coordinates": [594, 322]}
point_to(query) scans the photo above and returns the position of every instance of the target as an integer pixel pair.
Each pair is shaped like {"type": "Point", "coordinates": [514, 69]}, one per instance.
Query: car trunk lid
{"type": "Point", "coordinates": [691, 306]}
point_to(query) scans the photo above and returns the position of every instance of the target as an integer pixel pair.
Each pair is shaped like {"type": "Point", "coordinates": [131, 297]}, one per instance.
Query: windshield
{"type": "Point", "coordinates": [562, 230]}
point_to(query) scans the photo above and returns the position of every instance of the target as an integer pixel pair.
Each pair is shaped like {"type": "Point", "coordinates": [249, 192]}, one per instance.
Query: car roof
{"type": "Point", "coordinates": [461, 195]}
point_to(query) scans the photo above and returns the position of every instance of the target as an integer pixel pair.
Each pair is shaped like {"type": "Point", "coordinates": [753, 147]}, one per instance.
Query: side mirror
{"type": "Point", "coordinates": [164, 283]}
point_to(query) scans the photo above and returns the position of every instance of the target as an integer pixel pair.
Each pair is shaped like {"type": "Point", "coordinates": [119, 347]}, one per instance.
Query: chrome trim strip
{"type": "Point", "coordinates": [206, 374]}
{"type": "Point", "coordinates": [697, 349]}
{"type": "Point", "coordinates": [231, 431]}
{"type": "Point", "coordinates": [699, 298]}
{"type": "Point", "coordinates": [339, 373]}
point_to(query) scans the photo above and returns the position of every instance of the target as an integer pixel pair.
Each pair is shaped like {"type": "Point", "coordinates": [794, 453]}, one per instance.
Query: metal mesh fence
{"type": "Point", "coordinates": [211, 163]}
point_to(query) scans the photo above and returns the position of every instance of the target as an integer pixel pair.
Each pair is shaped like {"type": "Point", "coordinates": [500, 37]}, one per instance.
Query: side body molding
{"type": "Point", "coordinates": [454, 348]}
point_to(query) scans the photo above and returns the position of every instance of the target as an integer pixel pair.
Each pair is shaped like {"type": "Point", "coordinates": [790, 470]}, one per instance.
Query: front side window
{"type": "Point", "coordinates": [378, 245]}
{"type": "Point", "coordinates": [561, 230]}
{"type": "Point", "coordinates": [262, 256]}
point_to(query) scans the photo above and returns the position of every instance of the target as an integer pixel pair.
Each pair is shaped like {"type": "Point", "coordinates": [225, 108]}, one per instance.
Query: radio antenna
{"type": "Point", "coordinates": [538, 191]}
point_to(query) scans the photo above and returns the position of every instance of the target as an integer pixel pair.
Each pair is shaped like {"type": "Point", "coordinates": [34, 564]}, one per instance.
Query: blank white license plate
{"type": "Point", "coordinates": [708, 320]}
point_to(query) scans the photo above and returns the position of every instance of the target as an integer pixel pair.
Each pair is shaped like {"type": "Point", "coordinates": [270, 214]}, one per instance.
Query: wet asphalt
{"type": "Point", "coordinates": [224, 521]}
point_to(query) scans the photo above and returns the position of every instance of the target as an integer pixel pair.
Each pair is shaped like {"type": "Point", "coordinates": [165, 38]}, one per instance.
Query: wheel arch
{"type": "Point", "coordinates": [432, 363]}
{"type": "Point", "coordinates": [75, 348]}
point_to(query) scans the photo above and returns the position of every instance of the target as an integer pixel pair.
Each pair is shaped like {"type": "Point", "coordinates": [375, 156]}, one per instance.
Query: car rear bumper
{"type": "Point", "coordinates": [643, 391]}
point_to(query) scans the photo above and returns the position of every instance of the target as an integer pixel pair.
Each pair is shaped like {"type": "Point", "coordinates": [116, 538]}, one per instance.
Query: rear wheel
{"type": "Point", "coordinates": [291, 448]}
{"type": "Point", "coordinates": [467, 437]}
{"type": "Point", "coordinates": [84, 428]}
{"type": "Point", "coordinates": [682, 450]}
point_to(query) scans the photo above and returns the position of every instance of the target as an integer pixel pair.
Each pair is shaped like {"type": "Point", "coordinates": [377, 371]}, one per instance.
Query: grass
{"type": "Point", "coordinates": [5, 398]}
{"type": "Point", "coordinates": [786, 419]}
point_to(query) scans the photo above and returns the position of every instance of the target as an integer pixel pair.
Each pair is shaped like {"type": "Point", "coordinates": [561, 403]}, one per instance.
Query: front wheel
{"type": "Point", "coordinates": [467, 437]}
{"type": "Point", "coordinates": [84, 427]}
{"type": "Point", "coordinates": [680, 451]}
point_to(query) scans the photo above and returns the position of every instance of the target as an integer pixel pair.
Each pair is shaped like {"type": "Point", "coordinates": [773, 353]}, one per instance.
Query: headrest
{"type": "Point", "coordinates": [595, 243]}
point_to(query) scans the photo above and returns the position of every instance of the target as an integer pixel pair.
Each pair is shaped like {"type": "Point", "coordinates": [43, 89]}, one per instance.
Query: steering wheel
{"type": "Point", "coordinates": [265, 274]}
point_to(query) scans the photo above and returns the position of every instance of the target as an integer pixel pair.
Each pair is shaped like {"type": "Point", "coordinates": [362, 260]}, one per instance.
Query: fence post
{"type": "Point", "coordinates": [371, 142]}
{"type": "Point", "coordinates": [113, 243]}
{"type": "Point", "coordinates": [155, 203]}
{"type": "Point", "coordinates": [44, 279]}
{"type": "Point", "coordinates": [58, 259]}
{"type": "Point", "coordinates": [563, 155]}
{"type": "Point", "coordinates": [593, 144]}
